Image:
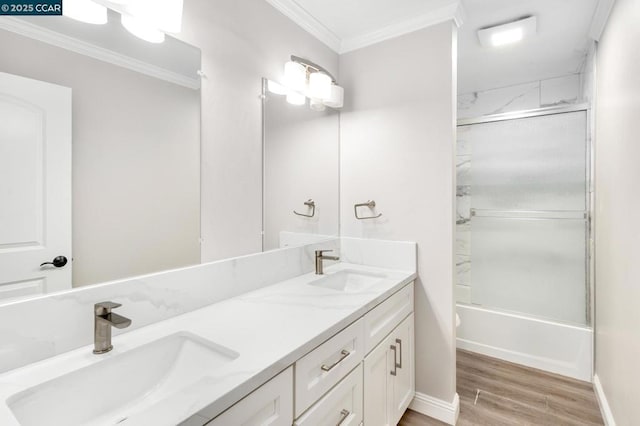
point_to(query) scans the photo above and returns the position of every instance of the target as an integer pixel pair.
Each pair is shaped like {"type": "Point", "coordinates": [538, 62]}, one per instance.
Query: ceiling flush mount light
{"type": "Point", "coordinates": [85, 11]}
{"type": "Point", "coordinates": [303, 78]}
{"type": "Point", "coordinates": [505, 34]}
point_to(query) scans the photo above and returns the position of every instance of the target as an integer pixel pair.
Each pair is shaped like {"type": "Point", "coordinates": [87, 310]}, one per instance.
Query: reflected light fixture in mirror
{"type": "Point", "coordinates": [85, 11]}
{"type": "Point", "coordinates": [141, 29]}
{"type": "Point", "coordinates": [145, 19]}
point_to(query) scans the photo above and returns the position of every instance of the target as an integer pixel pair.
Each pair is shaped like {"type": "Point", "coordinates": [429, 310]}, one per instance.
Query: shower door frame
{"type": "Point", "coordinates": [589, 194]}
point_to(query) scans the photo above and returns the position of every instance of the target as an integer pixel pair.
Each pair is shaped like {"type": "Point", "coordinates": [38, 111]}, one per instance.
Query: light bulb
{"type": "Point", "coordinates": [85, 11]}
{"type": "Point", "coordinates": [295, 76]}
{"type": "Point", "coordinates": [336, 99]}
{"type": "Point", "coordinates": [142, 29]}
{"type": "Point", "coordinates": [319, 85]}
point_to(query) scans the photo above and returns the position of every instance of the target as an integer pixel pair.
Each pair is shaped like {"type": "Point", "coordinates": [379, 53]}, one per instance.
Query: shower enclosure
{"type": "Point", "coordinates": [523, 194]}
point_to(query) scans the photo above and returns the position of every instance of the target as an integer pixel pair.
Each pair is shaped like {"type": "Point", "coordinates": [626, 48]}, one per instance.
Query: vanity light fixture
{"type": "Point", "coordinates": [141, 29]}
{"type": "Point", "coordinates": [509, 33]}
{"type": "Point", "coordinates": [85, 11]}
{"type": "Point", "coordinates": [303, 78]}
{"type": "Point", "coordinates": [146, 19]}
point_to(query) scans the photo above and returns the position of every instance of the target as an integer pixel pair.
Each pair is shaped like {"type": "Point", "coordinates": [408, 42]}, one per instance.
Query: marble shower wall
{"type": "Point", "coordinates": [463, 217]}
{"type": "Point", "coordinates": [563, 90]}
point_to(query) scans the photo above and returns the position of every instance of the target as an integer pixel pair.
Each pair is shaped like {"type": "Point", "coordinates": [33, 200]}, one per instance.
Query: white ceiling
{"type": "Point", "coordinates": [558, 49]}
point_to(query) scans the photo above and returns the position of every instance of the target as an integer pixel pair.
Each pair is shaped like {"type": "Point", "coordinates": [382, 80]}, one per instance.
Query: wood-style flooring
{"type": "Point", "coordinates": [498, 393]}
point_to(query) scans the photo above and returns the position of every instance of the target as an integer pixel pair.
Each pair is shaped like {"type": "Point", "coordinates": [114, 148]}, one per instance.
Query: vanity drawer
{"type": "Point", "coordinates": [382, 319]}
{"type": "Point", "coordinates": [269, 405]}
{"type": "Point", "coordinates": [326, 365]}
{"type": "Point", "coordinates": [341, 406]}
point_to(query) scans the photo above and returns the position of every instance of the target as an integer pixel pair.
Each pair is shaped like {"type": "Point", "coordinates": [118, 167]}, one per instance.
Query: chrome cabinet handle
{"type": "Point", "coordinates": [343, 416]}
{"type": "Point", "coordinates": [345, 353]}
{"type": "Point", "coordinates": [399, 342]}
{"type": "Point", "coordinates": [395, 361]}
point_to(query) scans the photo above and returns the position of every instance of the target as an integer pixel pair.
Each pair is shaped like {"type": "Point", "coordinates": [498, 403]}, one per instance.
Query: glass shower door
{"type": "Point", "coordinates": [528, 215]}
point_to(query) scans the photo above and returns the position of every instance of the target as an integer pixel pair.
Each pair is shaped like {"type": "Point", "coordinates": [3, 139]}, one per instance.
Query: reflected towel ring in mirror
{"type": "Point", "coordinates": [371, 204]}
{"type": "Point", "coordinates": [308, 203]}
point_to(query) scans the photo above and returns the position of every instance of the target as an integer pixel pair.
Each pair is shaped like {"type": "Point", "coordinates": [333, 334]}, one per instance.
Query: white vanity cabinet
{"type": "Point", "coordinates": [389, 370]}
{"type": "Point", "coordinates": [269, 405]}
{"type": "Point", "coordinates": [362, 375]}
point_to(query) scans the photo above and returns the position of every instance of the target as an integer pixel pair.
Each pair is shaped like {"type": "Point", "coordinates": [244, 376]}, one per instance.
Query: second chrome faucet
{"type": "Point", "coordinates": [104, 319]}
{"type": "Point", "coordinates": [320, 257]}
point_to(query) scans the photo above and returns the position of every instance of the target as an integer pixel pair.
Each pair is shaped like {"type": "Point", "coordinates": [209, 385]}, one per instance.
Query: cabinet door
{"type": "Point", "coordinates": [404, 380]}
{"type": "Point", "coordinates": [378, 385]}
{"type": "Point", "coordinates": [269, 405]}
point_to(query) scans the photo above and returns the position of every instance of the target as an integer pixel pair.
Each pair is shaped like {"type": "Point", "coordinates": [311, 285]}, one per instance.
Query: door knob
{"type": "Point", "coordinates": [58, 262]}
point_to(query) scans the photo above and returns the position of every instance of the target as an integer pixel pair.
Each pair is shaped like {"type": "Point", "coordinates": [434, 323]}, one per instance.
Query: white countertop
{"type": "Point", "coordinates": [270, 328]}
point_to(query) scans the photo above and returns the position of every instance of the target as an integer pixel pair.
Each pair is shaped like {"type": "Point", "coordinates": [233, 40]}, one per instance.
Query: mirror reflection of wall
{"type": "Point", "coordinates": [135, 160]}
{"type": "Point", "coordinates": [301, 163]}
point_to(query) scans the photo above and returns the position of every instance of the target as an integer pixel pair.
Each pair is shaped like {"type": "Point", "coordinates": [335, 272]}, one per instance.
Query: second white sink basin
{"type": "Point", "coordinates": [110, 391]}
{"type": "Point", "coordinates": [349, 280]}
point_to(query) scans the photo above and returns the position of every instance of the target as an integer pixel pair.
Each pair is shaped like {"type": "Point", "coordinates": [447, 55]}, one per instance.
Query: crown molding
{"type": "Point", "coordinates": [300, 16]}
{"type": "Point", "coordinates": [600, 18]}
{"type": "Point", "coordinates": [292, 10]}
{"type": "Point", "coordinates": [453, 12]}
{"type": "Point", "coordinates": [48, 36]}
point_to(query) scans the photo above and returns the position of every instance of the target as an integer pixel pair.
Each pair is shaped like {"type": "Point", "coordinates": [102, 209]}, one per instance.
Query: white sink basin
{"type": "Point", "coordinates": [110, 391]}
{"type": "Point", "coordinates": [349, 280]}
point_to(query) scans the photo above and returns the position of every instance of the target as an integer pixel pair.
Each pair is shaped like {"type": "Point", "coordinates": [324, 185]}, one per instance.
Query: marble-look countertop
{"type": "Point", "coordinates": [270, 328]}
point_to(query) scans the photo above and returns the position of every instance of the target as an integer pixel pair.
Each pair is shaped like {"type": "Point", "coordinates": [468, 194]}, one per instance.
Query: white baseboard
{"type": "Point", "coordinates": [437, 408]}
{"type": "Point", "coordinates": [607, 415]}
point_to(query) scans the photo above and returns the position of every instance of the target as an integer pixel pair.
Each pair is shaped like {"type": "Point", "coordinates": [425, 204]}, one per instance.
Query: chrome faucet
{"type": "Point", "coordinates": [320, 257]}
{"type": "Point", "coordinates": [103, 321]}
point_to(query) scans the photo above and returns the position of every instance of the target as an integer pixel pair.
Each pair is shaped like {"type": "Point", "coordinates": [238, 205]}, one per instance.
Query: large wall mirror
{"type": "Point", "coordinates": [100, 158]}
{"type": "Point", "coordinates": [112, 191]}
{"type": "Point", "coordinates": [301, 151]}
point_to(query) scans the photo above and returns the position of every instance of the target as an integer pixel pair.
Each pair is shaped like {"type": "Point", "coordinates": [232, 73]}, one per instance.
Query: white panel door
{"type": "Point", "coordinates": [35, 187]}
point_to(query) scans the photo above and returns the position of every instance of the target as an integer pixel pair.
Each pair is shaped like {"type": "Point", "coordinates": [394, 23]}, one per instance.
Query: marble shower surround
{"type": "Point", "coordinates": [563, 90]}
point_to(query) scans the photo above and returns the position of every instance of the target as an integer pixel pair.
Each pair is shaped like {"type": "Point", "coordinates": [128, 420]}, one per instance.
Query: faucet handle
{"type": "Point", "coordinates": [105, 307]}
{"type": "Point", "coordinates": [321, 252]}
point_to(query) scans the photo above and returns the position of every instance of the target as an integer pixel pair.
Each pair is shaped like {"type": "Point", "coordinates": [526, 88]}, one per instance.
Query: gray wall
{"type": "Point", "coordinates": [136, 168]}
{"type": "Point", "coordinates": [617, 230]}
{"type": "Point", "coordinates": [241, 42]}
{"type": "Point", "coordinates": [397, 147]}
